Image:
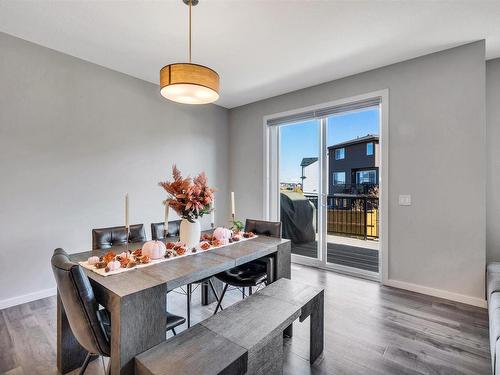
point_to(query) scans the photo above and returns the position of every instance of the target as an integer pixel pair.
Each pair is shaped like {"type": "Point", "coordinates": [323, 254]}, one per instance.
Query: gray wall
{"type": "Point", "coordinates": [437, 154]}
{"type": "Point", "coordinates": [74, 137]}
{"type": "Point", "coordinates": [493, 166]}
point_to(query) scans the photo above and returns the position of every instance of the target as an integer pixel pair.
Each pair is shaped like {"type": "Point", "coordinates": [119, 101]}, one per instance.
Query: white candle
{"type": "Point", "coordinates": [213, 212]}
{"type": "Point", "coordinates": [126, 210]}
{"type": "Point", "coordinates": [232, 203]}
{"type": "Point", "coordinates": [166, 216]}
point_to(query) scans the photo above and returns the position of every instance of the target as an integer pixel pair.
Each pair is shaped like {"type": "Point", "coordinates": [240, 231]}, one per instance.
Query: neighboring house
{"type": "Point", "coordinates": [310, 175]}
{"type": "Point", "coordinates": [354, 165]}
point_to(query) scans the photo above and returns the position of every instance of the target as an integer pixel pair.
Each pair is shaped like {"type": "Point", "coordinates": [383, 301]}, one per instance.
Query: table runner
{"type": "Point", "coordinates": [102, 272]}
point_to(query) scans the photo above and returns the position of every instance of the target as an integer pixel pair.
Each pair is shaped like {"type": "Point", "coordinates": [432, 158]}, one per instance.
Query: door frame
{"type": "Point", "coordinates": [271, 184]}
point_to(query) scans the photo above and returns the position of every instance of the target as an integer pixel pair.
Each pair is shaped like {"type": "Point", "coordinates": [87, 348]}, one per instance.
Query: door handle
{"type": "Point", "coordinates": [323, 200]}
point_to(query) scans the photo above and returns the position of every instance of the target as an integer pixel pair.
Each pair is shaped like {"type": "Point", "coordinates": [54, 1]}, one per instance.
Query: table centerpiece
{"type": "Point", "coordinates": [190, 198]}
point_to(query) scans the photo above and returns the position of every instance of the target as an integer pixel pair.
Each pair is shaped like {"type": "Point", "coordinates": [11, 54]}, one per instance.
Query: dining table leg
{"type": "Point", "coordinates": [207, 295]}
{"type": "Point", "coordinates": [70, 354]}
{"type": "Point", "coordinates": [138, 322]}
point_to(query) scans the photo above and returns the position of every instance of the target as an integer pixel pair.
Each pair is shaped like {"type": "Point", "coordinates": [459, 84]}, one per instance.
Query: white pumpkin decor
{"type": "Point", "coordinates": [223, 235]}
{"type": "Point", "coordinates": [114, 265]}
{"type": "Point", "coordinates": [93, 260]}
{"type": "Point", "coordinates": [154, 249]}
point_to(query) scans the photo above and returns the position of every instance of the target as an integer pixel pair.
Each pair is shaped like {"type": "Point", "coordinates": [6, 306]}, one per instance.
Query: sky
{"type": "Point", "coordinates": [300, 140]}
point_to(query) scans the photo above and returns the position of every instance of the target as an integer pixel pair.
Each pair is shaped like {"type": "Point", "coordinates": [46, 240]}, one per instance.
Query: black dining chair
{"type": "Point", "coordinates": [158, 230]}
{"type": "Point", "coordinates": [158, 234]}
{"type": "Point", "coordinates": [90, 324]}
{"type": "Point", "coordinates": [104, 238]}
{"type": "Point", "coordinates": [256, 272]}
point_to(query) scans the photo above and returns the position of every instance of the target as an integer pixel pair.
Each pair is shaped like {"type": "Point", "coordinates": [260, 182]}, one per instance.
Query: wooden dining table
{"type": "Point", "coordinates": [137, 299]}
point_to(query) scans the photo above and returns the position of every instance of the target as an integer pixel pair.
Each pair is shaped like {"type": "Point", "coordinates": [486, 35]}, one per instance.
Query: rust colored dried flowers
{"type": "Point", "coordinates": [190, 198]}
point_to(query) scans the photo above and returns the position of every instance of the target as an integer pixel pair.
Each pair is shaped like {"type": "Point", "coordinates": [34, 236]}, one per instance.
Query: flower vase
{"type": "Point", "coordinates": [190, 233]}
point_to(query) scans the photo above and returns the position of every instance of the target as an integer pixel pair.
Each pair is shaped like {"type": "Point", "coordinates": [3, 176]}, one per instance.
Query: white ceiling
{"type": "Point", "coordinates": [260, 48]}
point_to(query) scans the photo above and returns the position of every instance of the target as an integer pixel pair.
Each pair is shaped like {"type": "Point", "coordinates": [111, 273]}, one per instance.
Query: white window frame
{"type": "Point", "coordinates": [373, 148]}
{"type": "Point", "coordinates": [271, 185]}
{"type": "Point", "coordinates": [365, 171]}
{"type": "Point", "coordinates": [335, 173]}
{"type": "Point", "coordinates": [343, 153]}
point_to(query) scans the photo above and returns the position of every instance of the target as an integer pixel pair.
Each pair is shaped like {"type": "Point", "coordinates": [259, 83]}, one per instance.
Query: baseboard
{"type": "Point", "coordinates": [474, 301]}
{"type": "Point", "coordinates": [9, 302]}
{"type": "Point", "coordinates": [456, 297]}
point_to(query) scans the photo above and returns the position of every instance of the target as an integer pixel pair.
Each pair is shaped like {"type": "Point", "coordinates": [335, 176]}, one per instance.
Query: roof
{"type": "Point", "coordinates": [308, 161]}
{"type": "Point", "coordinates": [364, 139]}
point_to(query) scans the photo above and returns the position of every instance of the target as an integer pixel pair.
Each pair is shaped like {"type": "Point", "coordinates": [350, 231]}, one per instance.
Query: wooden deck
{"type": "Point", "coordinates": [342, 254]}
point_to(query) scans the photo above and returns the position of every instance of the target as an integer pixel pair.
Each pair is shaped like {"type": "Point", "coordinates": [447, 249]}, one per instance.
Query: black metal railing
{"type": "Point", "coordinates": [352, 215]}
{"type": "Point", "coordinates": [365, 188]}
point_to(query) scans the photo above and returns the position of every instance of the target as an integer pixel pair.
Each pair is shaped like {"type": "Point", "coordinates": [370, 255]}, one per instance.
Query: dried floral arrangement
{"type": "Point", "coordinates": [190, 197]}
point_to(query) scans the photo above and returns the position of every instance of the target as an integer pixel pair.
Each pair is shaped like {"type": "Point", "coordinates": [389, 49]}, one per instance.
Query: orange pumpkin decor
{"type": "Point", "coordinates": [204, 245]}
{"type": "Point", "coordinates": [180, 250]}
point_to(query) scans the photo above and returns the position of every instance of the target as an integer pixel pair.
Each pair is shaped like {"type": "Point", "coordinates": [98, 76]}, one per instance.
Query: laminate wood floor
{"type": "Point", "coordinates": [368, 330]}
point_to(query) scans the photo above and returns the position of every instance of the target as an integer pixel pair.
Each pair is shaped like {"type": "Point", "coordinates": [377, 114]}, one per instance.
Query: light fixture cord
{"type": "Point", "coordinates": [190, 3]}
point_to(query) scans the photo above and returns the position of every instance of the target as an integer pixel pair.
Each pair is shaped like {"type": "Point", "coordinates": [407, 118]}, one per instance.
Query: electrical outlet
{"type": "Point", "coordinates": [405, 200]}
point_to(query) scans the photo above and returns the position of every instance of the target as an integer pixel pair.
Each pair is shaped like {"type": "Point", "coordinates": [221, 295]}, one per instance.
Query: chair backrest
{"type": "Point", "coordinates": [79, 303]}
{"type": "Point", "coordinates": [104, 238]}
{"type": "Point", "coordinates": [265, 228]}
{"type": "Point", "coordinates": [157, 230]}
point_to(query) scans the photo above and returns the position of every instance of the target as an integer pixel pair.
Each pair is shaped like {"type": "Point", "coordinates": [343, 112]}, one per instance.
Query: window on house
{"type": "Point", "coordinates": [339, 153]}
{"type": "Point", "coordinates": [339, 178]}
{"type": "Point", "coordinates": [369, 148]}
{"type": "Point", "coordinates": [366, 177]}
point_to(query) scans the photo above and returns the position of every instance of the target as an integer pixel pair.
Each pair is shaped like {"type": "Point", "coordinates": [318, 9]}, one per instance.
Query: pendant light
{"type": "Point", "coordinates": [189, 83]}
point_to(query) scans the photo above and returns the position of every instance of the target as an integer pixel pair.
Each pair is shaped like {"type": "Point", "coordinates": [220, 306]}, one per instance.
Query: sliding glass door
{"type": "Point", "coordinates": [299, 185]}
{"type": "Point", "coordinates": [324, 170]}
{"type": "Point", "coordinates": [352, 214]}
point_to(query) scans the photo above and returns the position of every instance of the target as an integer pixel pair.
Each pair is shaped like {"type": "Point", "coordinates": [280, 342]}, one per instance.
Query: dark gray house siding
{"type": "Point", "coordinates": [355, 160]}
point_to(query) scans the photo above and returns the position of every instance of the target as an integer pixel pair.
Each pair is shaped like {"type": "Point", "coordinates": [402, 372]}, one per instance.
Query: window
{"type": "Point", "coordinates": [366, 177]}
{"type": "Point", "coordinates": [339, 153]}
{"type": "Point", "coordinates": [369, 148]}
{"type": "Point", "coordinates": [339, 178]}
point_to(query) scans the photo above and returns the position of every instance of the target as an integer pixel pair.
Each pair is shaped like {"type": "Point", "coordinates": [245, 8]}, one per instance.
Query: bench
{"type": "Point", "coordinates": [194, 351]}
{"type": "Point", "coordinates": [245, 338]}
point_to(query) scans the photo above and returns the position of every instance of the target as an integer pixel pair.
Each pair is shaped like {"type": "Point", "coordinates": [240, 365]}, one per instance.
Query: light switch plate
{"type": "Point", "coordinates": [405, 200]}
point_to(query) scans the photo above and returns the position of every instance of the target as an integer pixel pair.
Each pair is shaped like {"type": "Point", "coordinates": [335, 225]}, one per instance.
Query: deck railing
{"type": "Point", "coordinates": [355, 189]}
{"type": "Point", "coordinates": [351, 215]}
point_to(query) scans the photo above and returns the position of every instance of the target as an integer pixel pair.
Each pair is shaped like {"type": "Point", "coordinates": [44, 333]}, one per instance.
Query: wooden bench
{"type": "Point", "coordinates": [245, 338]}
{"type": "Point", "coordinates": [194, 351]}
